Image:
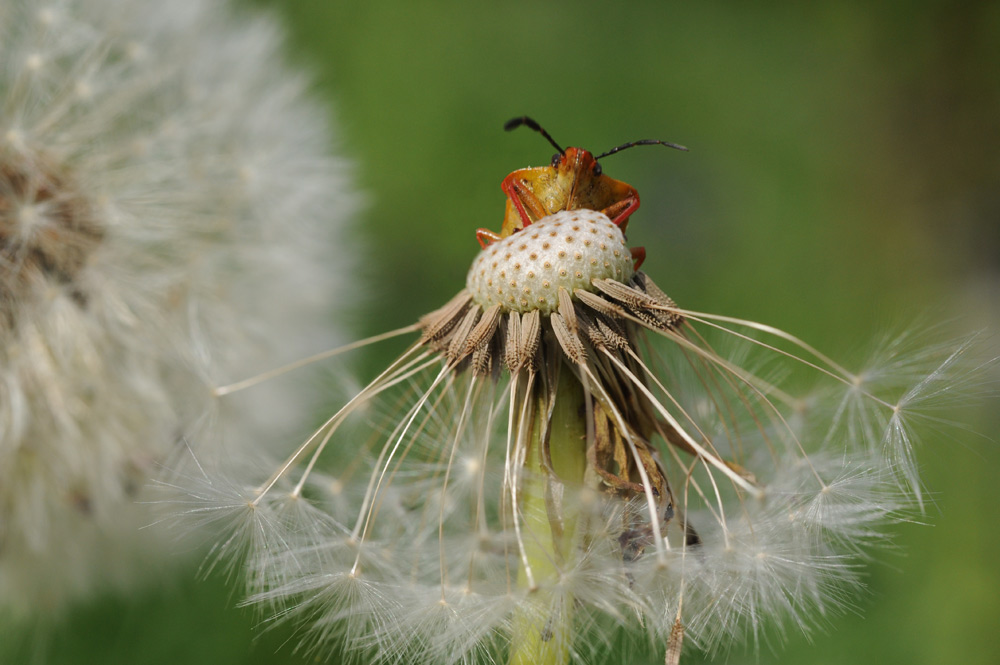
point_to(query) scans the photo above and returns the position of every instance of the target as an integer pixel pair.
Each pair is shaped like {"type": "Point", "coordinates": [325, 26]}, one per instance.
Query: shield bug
{"type": "Point", "coordinates": [573, 180]}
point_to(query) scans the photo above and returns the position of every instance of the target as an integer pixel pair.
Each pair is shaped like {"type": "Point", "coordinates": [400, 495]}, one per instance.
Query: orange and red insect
{"type": "Point", "coordinates": [573, 180]}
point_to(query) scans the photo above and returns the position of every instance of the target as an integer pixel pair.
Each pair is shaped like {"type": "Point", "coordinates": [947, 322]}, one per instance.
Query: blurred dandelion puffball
{"type": "Point", "coordinates": [168, 216]}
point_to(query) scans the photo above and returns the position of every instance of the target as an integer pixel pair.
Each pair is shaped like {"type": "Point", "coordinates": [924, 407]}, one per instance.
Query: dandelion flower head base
{"type": "Point", "coordinates": [590, 304]}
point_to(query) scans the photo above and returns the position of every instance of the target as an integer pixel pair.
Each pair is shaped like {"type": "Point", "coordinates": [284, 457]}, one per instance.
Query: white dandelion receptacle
{"type": "Point", "coordinates": [568, 250]}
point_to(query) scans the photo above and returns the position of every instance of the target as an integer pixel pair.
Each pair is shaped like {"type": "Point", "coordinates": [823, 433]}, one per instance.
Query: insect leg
{"type": "Point", "coordinates": [638, 255]}
{"type": "Point", "coordinates": [619, 211]}
{"type": "Point", "coordinates": [528, 207]}
{"type": "Point", "coordinates": [486, 237]}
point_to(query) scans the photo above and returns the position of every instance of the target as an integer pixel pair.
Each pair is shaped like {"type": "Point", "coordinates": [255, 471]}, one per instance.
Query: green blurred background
{"type": "Point", "coordinates": [843, 180]}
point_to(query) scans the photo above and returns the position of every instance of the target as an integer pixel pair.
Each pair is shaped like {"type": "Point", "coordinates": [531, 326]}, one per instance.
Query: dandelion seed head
{"type": "Point", "coordinates": [138, 268]}
{"type": "Point", "coordinates": [756, 523]}
{"type": "Point", "coordinates": [549, 475]}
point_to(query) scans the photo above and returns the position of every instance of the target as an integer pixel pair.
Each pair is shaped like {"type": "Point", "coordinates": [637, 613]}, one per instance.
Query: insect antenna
{"type": "Point", "coordinates": [514, 123]}
{"type": "Point", "coordinates": [631, 144]}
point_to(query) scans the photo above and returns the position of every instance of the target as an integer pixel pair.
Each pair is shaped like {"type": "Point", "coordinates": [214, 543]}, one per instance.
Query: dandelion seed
{"type": "Point", "coordinates": [553, 472]}
{"type": "Point", "coordinates": [165, 208]}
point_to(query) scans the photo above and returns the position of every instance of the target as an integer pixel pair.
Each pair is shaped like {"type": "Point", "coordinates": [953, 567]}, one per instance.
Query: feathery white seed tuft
{"type": "Point", "coordinates": [167, 209]}
{"type": "Point", "coordinates": [568, 249]}
{"type": "Point", "coordinates": [435, 540]}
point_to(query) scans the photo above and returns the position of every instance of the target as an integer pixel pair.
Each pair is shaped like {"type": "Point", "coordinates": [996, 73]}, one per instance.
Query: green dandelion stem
{"type": "Point", "coordinates": [549, 507]}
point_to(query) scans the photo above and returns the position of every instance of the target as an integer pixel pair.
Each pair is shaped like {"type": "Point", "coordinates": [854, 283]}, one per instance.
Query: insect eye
{"type": "Point", "coordinates": [556, 158]}
{"type": "Point", "coordinates": [597, 169]}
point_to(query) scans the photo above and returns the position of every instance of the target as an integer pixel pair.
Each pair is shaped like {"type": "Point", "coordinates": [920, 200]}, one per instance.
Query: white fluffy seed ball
{"type": "Point", "coordinates": [170, 221]}
{"type": "Point", "coordinates": [569, 249]}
